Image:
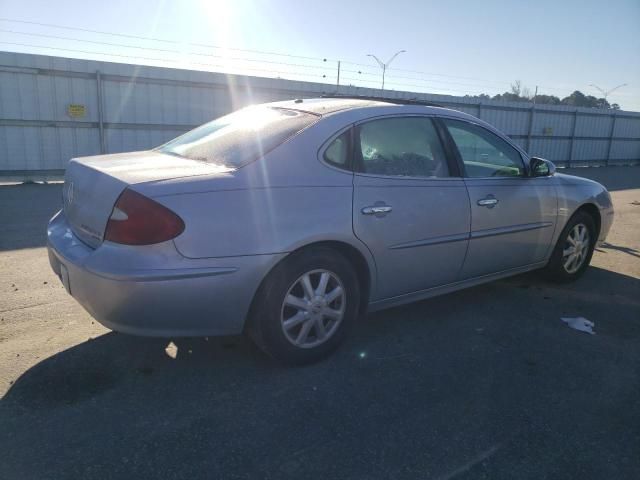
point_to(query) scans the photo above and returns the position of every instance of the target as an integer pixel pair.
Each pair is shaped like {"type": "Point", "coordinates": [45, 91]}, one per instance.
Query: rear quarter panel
{"type": "Point", "coordinates": [276, 204]}
{"type": "Point", "coordinates": [260, 221]}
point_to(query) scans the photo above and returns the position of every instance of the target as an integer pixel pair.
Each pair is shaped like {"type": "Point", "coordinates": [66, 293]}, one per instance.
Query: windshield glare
{"type": "Point", "coordinates": [240, 137]}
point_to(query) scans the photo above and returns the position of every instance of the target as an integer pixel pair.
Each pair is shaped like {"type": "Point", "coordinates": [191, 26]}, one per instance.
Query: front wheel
{"type": "Point", "coordinates": [306, 306]}
{"type": "Point", "coordinates": [574, 249]}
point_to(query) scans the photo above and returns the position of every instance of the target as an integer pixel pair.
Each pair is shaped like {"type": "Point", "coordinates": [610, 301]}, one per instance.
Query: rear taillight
{"type": "Point", "coordinates": [138, 220]}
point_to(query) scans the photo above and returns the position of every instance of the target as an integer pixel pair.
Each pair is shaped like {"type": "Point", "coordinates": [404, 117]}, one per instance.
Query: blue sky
{"type": "Point", "coordinates": [453, 47]}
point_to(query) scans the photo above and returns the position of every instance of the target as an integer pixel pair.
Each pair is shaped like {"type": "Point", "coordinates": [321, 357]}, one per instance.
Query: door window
{"type": "Point", "coordinates": [483, 153]}
{"type": "Point", "coordinates": [401, 146]}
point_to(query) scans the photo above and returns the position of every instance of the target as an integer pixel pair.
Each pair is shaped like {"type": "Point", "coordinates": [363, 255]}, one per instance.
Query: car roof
{"type": "Point", "coordinates": [329, 105]}
{"type": "Point", "coordinates": [353, 109]}
{"type": "Point", "coordinates": [325, 106]}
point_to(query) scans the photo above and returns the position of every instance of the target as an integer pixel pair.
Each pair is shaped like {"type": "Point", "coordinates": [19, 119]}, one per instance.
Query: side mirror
{"type": "Point", "coordinates": [539, 167]}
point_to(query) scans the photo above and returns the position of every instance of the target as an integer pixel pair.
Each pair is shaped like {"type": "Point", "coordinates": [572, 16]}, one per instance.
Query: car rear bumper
{"type": "Point", "coordinates": [154, 291]}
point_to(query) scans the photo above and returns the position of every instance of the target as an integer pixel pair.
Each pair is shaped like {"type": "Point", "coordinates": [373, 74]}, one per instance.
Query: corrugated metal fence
{"type": "Point", "coordinates": [53, 109]}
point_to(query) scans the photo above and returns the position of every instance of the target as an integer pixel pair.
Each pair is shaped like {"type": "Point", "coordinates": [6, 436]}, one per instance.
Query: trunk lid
{"type": "Point", "coordinates": [93, 184]}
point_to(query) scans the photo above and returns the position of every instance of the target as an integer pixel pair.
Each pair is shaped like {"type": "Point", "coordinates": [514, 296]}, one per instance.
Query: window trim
{"type": "Point", "coordinates": [458, 156]}
{"type": "Point", "coordinates": [358, 168]}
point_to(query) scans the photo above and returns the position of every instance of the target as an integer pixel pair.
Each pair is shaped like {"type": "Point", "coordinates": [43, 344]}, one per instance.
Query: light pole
{"type": "Point", "coordinates": [604, 93]}
{"type": "Point", "coordinates": [384, 65]}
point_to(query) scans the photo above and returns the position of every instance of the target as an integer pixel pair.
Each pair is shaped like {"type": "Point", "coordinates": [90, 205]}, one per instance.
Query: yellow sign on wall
{"type": "Point", "coordinates": [76, 110]}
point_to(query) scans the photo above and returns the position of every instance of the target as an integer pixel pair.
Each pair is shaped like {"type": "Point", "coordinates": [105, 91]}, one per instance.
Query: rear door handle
{"type": "Point", "coordinates": [488, 202]}
{"type": "Point", "coordinates": [377, 210]}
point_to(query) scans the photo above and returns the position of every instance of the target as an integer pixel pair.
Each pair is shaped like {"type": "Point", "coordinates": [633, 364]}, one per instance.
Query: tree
{"type": "Point", "coordinates": [516, 88]}
{"type": "Point", "coordinates": [579, 99]}
{"type": "Point", "coordinates": [510, 97]}
{"type": "Point", "coordinates": [520, 93]}
{"type": "Point", "coordinates": [547, 99]}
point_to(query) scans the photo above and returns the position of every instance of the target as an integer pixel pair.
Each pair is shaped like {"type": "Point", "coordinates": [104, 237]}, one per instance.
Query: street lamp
{"type": "Point", "coordinates": [384, 65]}
{"type": "Point", "coordinates": [605, 94]}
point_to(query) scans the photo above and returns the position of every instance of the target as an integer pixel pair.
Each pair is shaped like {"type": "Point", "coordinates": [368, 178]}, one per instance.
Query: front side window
{"type": "Point", "coordinates": [401, 146]}
{"type": "Point", "coordinates": [483, 153]}
{"type": "Point", "coordinates": [240, 137]}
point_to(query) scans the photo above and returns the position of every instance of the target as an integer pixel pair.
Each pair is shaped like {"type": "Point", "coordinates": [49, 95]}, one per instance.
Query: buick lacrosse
{"type": "Point", "coordinates": [289, 220]}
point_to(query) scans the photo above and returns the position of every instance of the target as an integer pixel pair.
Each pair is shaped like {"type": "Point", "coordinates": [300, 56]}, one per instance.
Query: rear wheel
{"type": "Point", "coordinates": [306, 306]}
{"type": "Point", "coordinates": [574, 249]}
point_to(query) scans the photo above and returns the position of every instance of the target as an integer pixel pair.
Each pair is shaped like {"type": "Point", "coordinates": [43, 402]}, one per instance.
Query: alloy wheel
{"type": "Point", "coordinates": [576, 248]}
{"type": "Point", "coordinates": [313, 308]}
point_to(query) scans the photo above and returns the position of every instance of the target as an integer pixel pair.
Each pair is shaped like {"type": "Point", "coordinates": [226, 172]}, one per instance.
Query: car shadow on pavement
{"type": "Point", "coordinates": [487, 380]}
{"type": "Point", "coordinates": [608, 246]}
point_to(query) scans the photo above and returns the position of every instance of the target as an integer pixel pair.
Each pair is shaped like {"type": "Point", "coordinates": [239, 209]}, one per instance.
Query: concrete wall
{"type": "Point", "coordinates": [130, 107]}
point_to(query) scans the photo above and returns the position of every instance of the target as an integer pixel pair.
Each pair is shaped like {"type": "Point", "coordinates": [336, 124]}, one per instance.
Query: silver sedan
{"type": "Point", "coordinates": [290, 220]}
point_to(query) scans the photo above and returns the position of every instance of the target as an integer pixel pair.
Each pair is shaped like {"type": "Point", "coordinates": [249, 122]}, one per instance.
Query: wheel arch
{"type": "Point", "coordinates": [593, 211]}
{"type": "Point", "coordinates": [362, 264]}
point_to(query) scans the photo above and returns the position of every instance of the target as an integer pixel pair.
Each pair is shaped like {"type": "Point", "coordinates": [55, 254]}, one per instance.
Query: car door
{"type": "Point", "coordinates": [513, 215]}
{"type": "Point", "coordinates": [410, 207]}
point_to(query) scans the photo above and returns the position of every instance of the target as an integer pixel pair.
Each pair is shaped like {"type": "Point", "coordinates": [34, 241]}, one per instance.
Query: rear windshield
{"type": "Point", "coordinates": [240, 137]}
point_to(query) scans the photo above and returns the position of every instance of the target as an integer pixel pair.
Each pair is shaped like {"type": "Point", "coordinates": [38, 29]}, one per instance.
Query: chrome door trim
{"type": "Point", "coordinates": [411, 178]}
{"type": "Point", "coordinates": [491, 232]}
{"type": "Point", "coordinates": [432, 241]}
{"type": "Point", "coordinates": [477, 234]}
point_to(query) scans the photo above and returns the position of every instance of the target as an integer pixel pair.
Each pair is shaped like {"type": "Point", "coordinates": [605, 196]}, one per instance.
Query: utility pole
{"type": "Point", "coordinates": [338, 81]}
{"type": "Point", "coordinates": [535, 95]}
{"type": "Point", "coordinates": [604, 93]}
{"type": "Point", "coordinates": [385, 65]}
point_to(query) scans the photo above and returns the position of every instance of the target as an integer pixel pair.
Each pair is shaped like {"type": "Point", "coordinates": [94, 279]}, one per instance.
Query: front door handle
{"type": "Point", "coordinates": [489, 201]}
{"type": "Point", "coordinates": [377, 210]}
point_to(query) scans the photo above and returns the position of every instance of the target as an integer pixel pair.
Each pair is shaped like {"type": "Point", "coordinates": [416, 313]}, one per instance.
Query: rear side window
{"type": "Point", "coordinates": [240, 137]}
{"type": "Point", "coordinates": [337, 153]}
{"type": "Point", "coordinates": [403, 147]}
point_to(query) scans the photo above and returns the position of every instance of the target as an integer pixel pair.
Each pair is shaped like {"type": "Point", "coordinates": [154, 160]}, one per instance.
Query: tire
{"type": "Point", "coordinates": [559, 269]}
{"type": "Point", "coordinates": [283, 307]}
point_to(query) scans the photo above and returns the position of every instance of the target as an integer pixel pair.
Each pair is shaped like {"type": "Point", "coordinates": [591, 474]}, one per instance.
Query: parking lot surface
{"type": "Point", "coordinates": [482, 383]}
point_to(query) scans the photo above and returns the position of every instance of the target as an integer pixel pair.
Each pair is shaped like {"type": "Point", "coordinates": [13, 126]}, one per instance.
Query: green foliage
{"type": "Point", "coordinates": [579, 99]}
{"type": "Point", "coordinates": [548, 100]}
{"type": "Point", "coordinates": [519, 93]}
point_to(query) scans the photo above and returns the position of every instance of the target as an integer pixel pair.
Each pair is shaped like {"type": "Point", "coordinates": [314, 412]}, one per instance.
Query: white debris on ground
{"type": "Point", "coordinates": [580, 323]}
{"type": "Point", "coordinates": [172, 350]}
